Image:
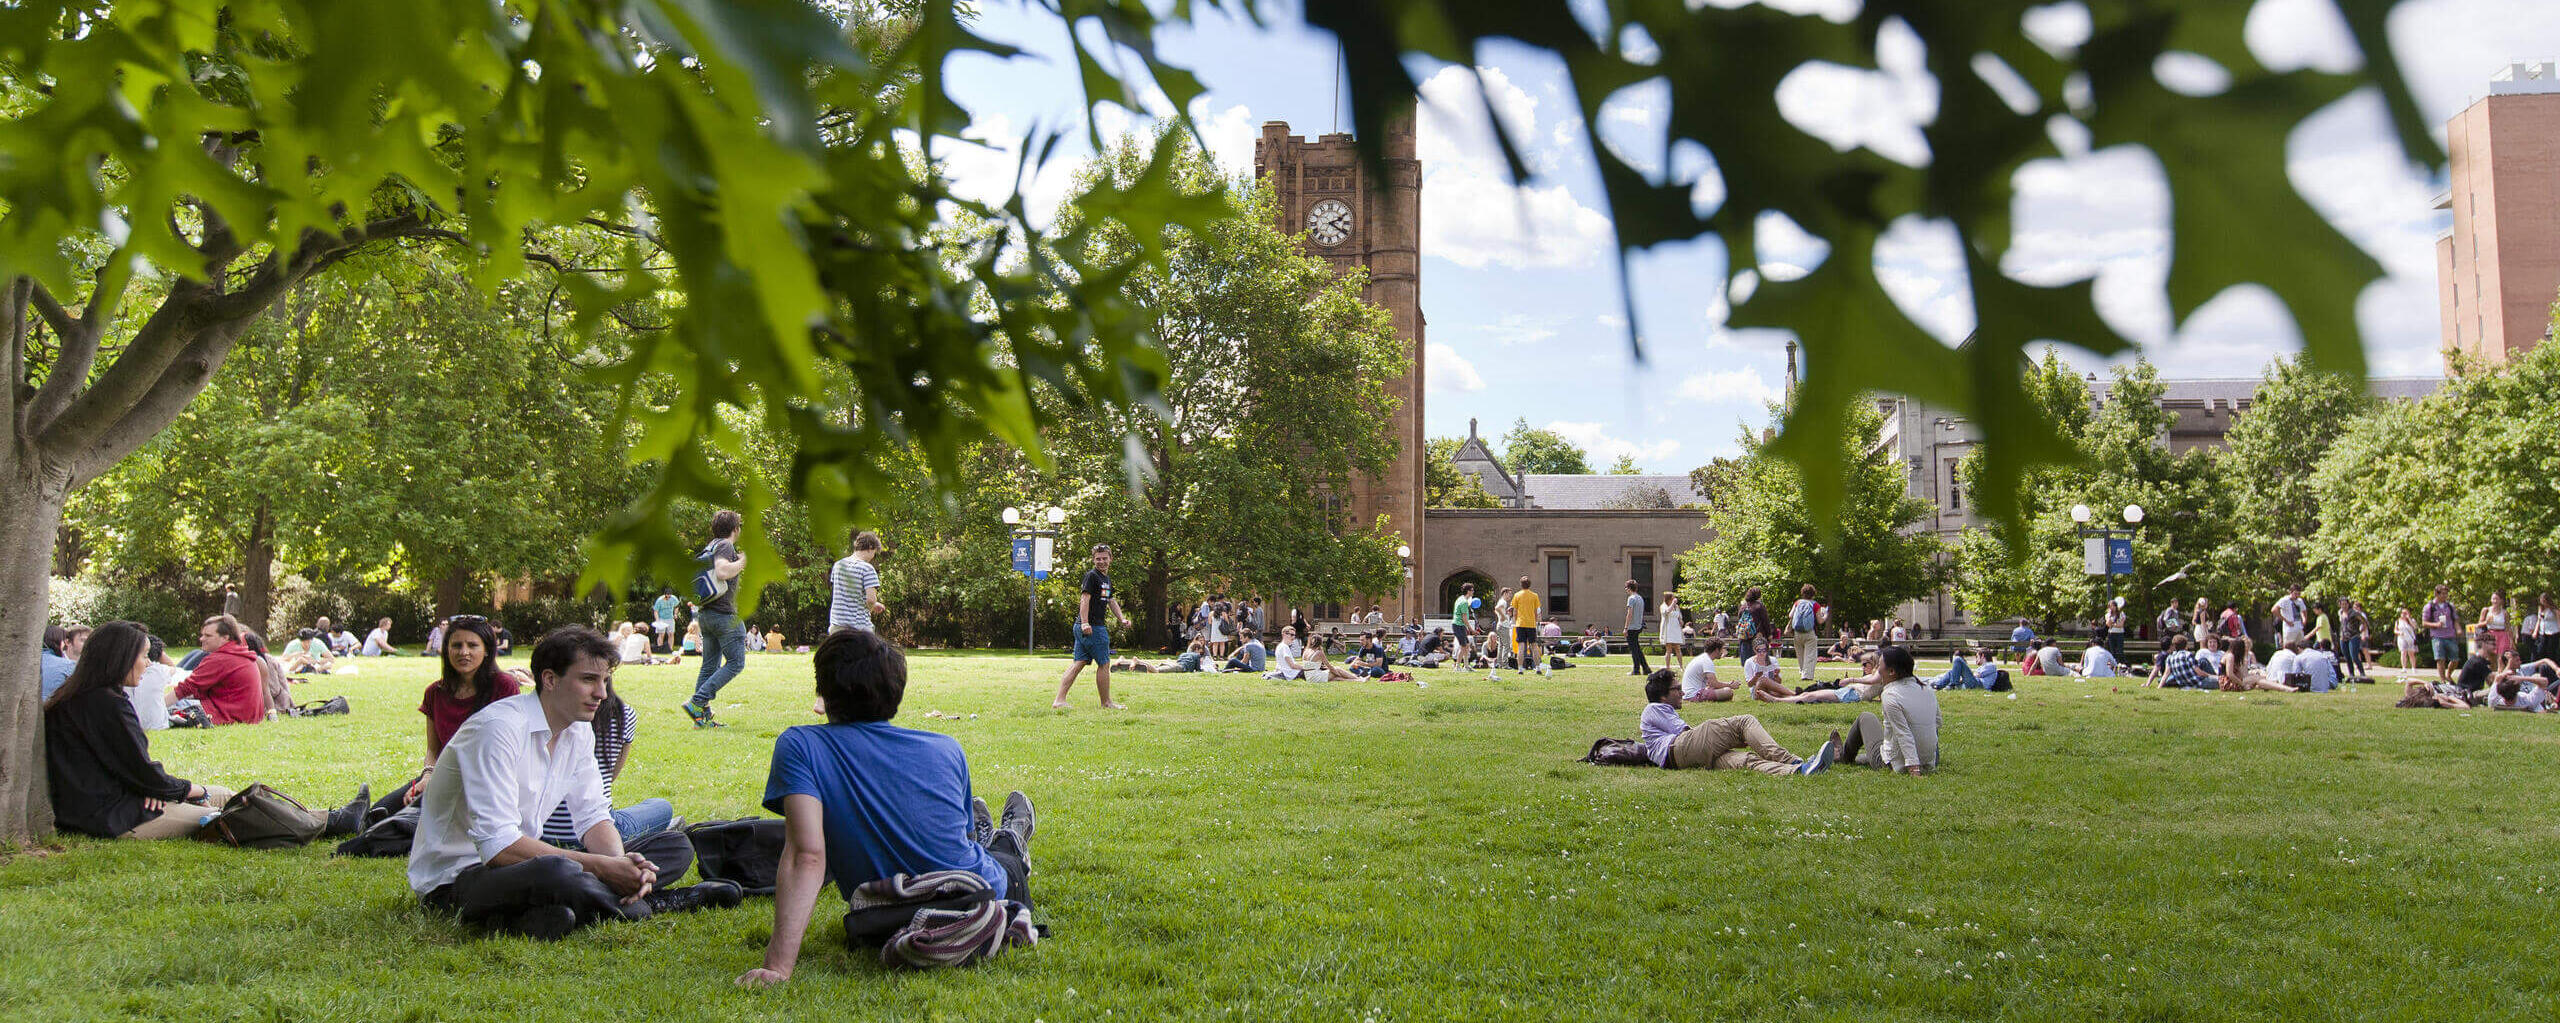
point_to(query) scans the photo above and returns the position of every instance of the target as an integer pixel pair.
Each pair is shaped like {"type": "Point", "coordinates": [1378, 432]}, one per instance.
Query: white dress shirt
{"type": "Point", "coordinates": [495, 782]}
{"type": "Point", "coordinates": [1911, 720]}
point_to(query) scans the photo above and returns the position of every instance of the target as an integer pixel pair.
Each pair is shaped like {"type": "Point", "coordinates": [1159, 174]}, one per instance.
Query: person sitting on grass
{"type": "Point", "coordinates": [2240, 674]}
{"type": "Point", "coordinates": [1252, 656]}
{"type": "Point", "coordinates": [1843, 649]}
{"type": "Point", "coordinates": [98, 763]}
{"type": "Point", "coordinates": [2098, 661]}
{"type": "Point", "coordinates": [468, 681]}
{"type": "Point", "coordinates": [1720, 743]}
{"type": "Point", "coordinates": [2047, 658]}
{"type": "Point", "coordinates": [1760, 674]}
{"type": "Point", "coordinates": [227, 684]}
{"type": "Point", "coordinates": [1433, 650]}
{"type": "Point", "coordinates": [2178, 667]}
{"type": "Point", "coordinates": [308, 653]}
{"type": "Point", "coordinates": [1372, 660]}
{"type": "Point", "coordinates": [1698, 681]}
{"type": "Point", "coordinates": [378, 642]}
{"type": "Point", "coordinates": [1904, 737]}
{"type": "Point", "coordinates": [478, 854]}
{"type": "Point", "coordinates": [2319, 665]}
{"type": "Point", "coordinates": [616, 723]}
{"type": "Point", "coordinates": [1593, 643]}
{"type": "Point", "coordinates": [862, 799]}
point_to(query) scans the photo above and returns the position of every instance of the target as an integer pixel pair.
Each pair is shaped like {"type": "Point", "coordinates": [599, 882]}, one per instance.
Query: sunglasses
{"type": "Point", "coordinates": [467, 620]}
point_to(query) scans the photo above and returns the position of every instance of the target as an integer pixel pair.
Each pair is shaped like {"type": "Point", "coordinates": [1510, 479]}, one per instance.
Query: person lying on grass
{"type": "Point", "coordinates": [478, 854]}
{"type": "Point", "coordinates": [1721, 743]}
{"type": "Point", "coordinates": [1189, 660]}
{"type": "Point", "coordinates": [1904, 737]}
{"type": "Point", "coordinates": [1698, 681]}
{"type": "Point", "coordinates": [862, 799]}
{"type": "Point", "coordinates": [1847, 690]}
{"type": "Point", "coordinates": [2420, 693]}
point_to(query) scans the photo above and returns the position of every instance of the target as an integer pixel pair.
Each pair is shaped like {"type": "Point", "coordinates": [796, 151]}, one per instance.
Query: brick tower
{"type": "Point", "coordinates": [1355, 215]}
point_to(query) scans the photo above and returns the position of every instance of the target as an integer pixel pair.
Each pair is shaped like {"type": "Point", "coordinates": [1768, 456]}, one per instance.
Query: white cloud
{"type": "Point", "coordinates": [1229, 133]}
{"type": "Point", "coordinates": [1743, 385]}
{"type": "Point", "coordinates": [1472, 214]}
{"type": "Point", "coordinates": [1604, 449]}
{"type": "Point", "coordinates": [1513, 329]}
{"type": "Point", "coordinates": [1448, 372]}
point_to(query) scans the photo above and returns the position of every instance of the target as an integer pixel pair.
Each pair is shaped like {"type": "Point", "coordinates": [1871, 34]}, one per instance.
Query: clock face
{"type": "Point", "coordinates": [1329, 222]}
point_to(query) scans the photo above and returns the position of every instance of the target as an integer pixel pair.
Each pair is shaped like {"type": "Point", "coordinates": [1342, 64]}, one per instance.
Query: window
{"type": "Point", "coordinates": [1955, 485]}
{"type": "Point", "coordinates": [1332, 505]}
{"type": "Point", "coordinates": [1640, 569]}
{"type": "Point", "coordinates": [1325, 612]}
{"type": "Point", "coordinates": [1559, 584]}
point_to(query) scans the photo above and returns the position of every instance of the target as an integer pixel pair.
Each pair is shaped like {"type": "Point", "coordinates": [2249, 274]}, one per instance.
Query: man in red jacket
{"type": "Point", "coordinates": [227, 680]}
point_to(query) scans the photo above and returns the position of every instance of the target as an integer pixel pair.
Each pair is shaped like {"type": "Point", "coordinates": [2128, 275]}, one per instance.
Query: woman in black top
{"type": "Point", "coordinates": [104, 781]}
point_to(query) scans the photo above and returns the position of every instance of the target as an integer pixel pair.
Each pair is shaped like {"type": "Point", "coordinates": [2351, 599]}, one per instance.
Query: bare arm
{"type": "Point", "coordinates": [795, 893]}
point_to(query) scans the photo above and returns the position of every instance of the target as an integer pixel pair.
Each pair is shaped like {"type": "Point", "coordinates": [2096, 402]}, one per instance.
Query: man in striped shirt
{"type": "Point", "coordinates": [857, 586]}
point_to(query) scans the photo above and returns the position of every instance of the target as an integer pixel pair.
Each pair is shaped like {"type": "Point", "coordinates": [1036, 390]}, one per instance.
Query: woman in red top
{"type": "Point", "coordinates": [471, 680]}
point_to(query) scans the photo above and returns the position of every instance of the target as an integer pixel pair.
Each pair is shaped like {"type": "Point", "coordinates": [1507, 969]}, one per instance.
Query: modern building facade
{"type": "Point", "coordinates": [2498, 265]}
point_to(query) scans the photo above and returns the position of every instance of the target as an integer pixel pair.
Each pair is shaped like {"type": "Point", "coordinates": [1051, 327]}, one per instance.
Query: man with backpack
{"type": "Point", "coordinates": [1805, 621]}
{"type": "Point", "coordinates": [724, 641]}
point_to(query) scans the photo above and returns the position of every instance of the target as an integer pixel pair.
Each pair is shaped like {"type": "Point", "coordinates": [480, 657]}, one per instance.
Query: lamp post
{"type": "Point", "coordinates": [1404, 590]}
{"type": "Point", "coordinates": [2100, 545]}
{"type": "Point", "coordinates": [1034, 550]}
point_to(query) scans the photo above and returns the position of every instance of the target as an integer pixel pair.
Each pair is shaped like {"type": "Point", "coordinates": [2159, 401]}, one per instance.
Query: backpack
{"type": "Point", "coordinates": [713, 582]}
{"type": "Point", "coordinates": [332, 705]}
{"type": "Point", "coordinates": [746, 852]}
{"type": "Point", "coordinates": [1803, 619]}
{"type": "Point", "coordinates": [259, 817]}
{"type": "Point", "coordinates": [390, 836]}
{"type": "Point", "coordinates": [1617, 753]}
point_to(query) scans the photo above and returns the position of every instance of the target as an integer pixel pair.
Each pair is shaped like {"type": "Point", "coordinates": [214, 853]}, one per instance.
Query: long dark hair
{"type": "Point", "coordinates": [104, 662]}
{"type": "Point", "coordinates": [484, 679]}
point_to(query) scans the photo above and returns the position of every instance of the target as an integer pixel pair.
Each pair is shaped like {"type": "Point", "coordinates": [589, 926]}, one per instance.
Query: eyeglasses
{"type": "Point", "coordinates": [467, 620]}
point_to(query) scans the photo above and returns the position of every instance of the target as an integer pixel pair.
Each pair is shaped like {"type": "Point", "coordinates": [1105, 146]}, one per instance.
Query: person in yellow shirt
{"type": "Point", "coordinates": [1524, 633]}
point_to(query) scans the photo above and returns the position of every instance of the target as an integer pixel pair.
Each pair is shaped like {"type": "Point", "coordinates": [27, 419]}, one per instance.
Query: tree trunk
{"type": "Point", "coordinates": [1151, 597]}
{"type": "Point", "coordinates": [449, 591]}
{"type": "Point", "coordinates": [257, 569]}
{"type": "Point", "coordinates": [31, 497]}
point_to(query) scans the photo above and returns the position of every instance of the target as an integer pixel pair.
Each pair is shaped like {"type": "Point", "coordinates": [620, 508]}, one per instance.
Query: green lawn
{"type": "Point", "coordinates": [1232, 848]}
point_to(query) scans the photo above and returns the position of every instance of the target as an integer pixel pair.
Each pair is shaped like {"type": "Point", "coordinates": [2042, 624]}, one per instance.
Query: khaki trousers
{"type": "Point", "coordinates": [1807, 645]}
{"type": "Point", "coordinates": [178, 820]}
{"type": "Point", "coordinates": [1731, 743]}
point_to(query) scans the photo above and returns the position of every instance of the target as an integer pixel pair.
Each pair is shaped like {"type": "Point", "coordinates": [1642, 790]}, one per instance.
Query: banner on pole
{"type": "Point", "coordinates": [2120, 555]}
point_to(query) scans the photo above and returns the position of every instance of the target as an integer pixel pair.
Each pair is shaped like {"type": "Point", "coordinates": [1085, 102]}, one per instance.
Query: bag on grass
{"type": "Point", "coordinates": [391, 836]}
{"type": "Point", "coordinates": [259, 817]}
{"type": "Point", "coordinates": [746, 852]}
{"type": "Point", "coordinates": [939, 919]}
{"type": "Point", "coordinates": [190, 716]}
{"type": "Point", "coordinates": [1618, 753]}
{"type": "Point", "coordinates": [332, 705]}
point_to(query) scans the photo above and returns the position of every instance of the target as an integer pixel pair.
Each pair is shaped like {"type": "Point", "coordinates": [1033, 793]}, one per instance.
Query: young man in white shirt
{"type": "Point", "coordinates": [1698, 682]}
{"type": "Point", "coordinates": [1904, 737]}
{"type": "Point", "coordinates": [2098, 661]}
{"type": "Point", "coordinates": [478, 853]}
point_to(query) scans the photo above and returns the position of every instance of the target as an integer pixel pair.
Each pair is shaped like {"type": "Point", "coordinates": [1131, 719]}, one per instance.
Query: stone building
{"type": "Point", "coordinates": [2498, 265]}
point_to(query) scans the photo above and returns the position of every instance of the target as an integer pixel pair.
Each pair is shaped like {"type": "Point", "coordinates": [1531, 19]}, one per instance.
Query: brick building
{"type": "Point", "coordinates": [2498, 265]}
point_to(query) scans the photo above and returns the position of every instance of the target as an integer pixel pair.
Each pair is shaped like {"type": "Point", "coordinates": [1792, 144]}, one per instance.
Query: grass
{"type": "Point", "coordinates": [1232, 848]}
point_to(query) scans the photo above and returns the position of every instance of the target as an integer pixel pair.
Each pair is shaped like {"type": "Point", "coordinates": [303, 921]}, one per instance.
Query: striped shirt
{"type": "Point", "coordinates": [613, 741]}
{"type": "Point", "coordinates": [853, 579]}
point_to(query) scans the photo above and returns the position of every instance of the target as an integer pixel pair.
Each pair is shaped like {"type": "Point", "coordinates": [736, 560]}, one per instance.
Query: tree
{"type": "Point", "coordinates": [1625, 466]}
{"type": "Point", "coordinates": [1527, 449]}
{"type": "Point", "coordinates": [2121, 457]}
{"type": "Point", "coordinates": [1275, 397]}
{"type": "Point", "coordinates": [168, 172]}
{"type": "Point", "coordinates": [1875, 559]}
{"type": "Point", "coordinates": [2296, 416]}
{"type": "Point", "coordinates": [1444, 485]}
{"type": "Point", "coordinates": [2453, 488]}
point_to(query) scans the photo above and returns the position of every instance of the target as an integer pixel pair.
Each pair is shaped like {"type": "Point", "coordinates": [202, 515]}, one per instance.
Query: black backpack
{"type": "Point", "coordinates": [1618, 753]}
{"type": "Point", "coordinates": [746, 851]}
{"type": "Point", "coordinates": [333, 705]}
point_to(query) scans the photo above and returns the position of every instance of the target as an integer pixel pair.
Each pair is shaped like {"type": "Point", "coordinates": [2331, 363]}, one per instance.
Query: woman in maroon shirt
{"type": "Point", "coordinates": [471, 680]}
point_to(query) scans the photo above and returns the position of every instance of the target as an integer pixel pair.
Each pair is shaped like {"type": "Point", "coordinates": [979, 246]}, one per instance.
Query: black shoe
{"type": "Point", "coordinates": [1018, 817]}
{"type": "Point", "coordinates": [701, 895]}
{"type": "Point", "coordinates": [349, 819]}
{"type": "Point", "coordinates": [545, 923]}
{"type": "Point", "coordinates": [982, 824]}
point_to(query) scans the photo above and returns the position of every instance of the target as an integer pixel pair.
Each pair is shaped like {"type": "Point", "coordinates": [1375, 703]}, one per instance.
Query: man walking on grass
{"type": "Point", "coordinates": [724, 641]}
{"type": "Point", "coordinates": [857, 586]}
{"type": "Point", "coordinates": [1635, 631]}
{"type": "Point", "coordinates": [2444, 630]}
{"type": "Point", "coordinates": [1093, 640]}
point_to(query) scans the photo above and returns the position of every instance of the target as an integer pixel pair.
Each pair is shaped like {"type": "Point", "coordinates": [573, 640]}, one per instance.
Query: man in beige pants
{"type": "Point", "coordinates": [1732, 743]}
{"type": "Point", "coordinates": [1804, 619]}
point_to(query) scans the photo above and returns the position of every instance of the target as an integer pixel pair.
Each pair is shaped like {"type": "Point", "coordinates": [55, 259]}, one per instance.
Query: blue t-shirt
{"type": "Point", "coordinates": [896, 799]}
{"type": "Point", "coordinates": [2022, 635]}
{"type": "Point", "coordinates": [57, 670]}
{"type": "Point", "coordinates": [666, 607]}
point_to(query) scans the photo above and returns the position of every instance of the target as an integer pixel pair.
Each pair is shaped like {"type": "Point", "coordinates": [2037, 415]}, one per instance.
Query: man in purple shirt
{"type": "Point", "coordinates": [1728, 743]}
{"type": "Point", "coordinates": [2444, 626]}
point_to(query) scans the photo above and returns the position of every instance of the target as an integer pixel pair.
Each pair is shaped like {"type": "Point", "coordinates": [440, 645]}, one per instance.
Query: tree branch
{"type": "Point", "coordinates": [21, 297]}
{"type": "Point", "coordinates": [71, 365]}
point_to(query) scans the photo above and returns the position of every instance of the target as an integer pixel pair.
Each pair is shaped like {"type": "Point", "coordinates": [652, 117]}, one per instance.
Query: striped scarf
{"type": "Point", "coordinates": [937, 938]}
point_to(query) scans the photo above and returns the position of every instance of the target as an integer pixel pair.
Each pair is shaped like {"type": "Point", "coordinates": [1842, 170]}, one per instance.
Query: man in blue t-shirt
{"type": "Point", "coordinates": [862, 799]}
{"type": "Point", "coordinates": [663, 629]}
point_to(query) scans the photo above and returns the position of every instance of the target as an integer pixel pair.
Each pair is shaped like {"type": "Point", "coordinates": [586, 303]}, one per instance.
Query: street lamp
{"type": "Point", "coordinates": [2100, 544]}
{"type": "Point", "coordinates": [1404, 594]}
{"type": "Point", "coordinates": [1033, 552]}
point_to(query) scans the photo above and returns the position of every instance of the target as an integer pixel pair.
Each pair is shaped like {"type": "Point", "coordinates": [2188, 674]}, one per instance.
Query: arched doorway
{"type": "Point", "coordinates": [1449, 589]}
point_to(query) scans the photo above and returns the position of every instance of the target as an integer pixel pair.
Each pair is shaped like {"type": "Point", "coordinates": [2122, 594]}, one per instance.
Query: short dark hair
{"type": "Point", "coordinates": [861, 677]}
{"type": "Point", "coordinates": [1658, 684]}
{"type": "Point", "coordinates": [865, 540]}
{"type": "Point", "coordinates": [724, 524]}
{"type": "Point", "coordinates": [1896, 660]}
{"type": "Point", "coordinates": [1713, 645]}
{"type": "Point", "coordinates": [1751, 594]}
{"type": "Point", "coordinates": [1806, 592]}
{"type": "Point", "coordinates": [54, 635]}
{"type": "Point", "coordinates": [1631, 586]}
{"type": "Point", "coordinates": [559, 650]}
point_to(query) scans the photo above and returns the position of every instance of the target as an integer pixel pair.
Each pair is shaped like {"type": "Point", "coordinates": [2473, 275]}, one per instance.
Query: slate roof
{"type": "Point", "coordinates": [1599, 491]}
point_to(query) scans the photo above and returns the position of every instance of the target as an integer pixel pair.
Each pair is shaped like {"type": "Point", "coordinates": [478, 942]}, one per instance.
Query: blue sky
{"type": "Point", "coordinates": [1520, 283]}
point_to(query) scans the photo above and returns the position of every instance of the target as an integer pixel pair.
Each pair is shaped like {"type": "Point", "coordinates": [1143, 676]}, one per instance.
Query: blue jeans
{"type": "Point", "coordinates": [643, 819]}
{"type": "Point", "coordinates": [724, 654]}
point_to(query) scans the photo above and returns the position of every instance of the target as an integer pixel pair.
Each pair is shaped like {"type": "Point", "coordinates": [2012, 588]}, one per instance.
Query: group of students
{"type": "Point", "coordinates": [229, 679]}
{"type": "Point", "coordinates": [1900, 735]}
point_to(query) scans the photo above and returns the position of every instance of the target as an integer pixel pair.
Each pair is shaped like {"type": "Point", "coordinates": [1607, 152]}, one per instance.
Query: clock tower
{"type": "Point", "coordinates": [1357, 214]}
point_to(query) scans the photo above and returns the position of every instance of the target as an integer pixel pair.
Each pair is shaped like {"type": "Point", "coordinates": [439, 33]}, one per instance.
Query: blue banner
{"type": "Point", "coordinates": [1022, 554]}
{"type": "Point", "coordinates": [2119, 555]}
